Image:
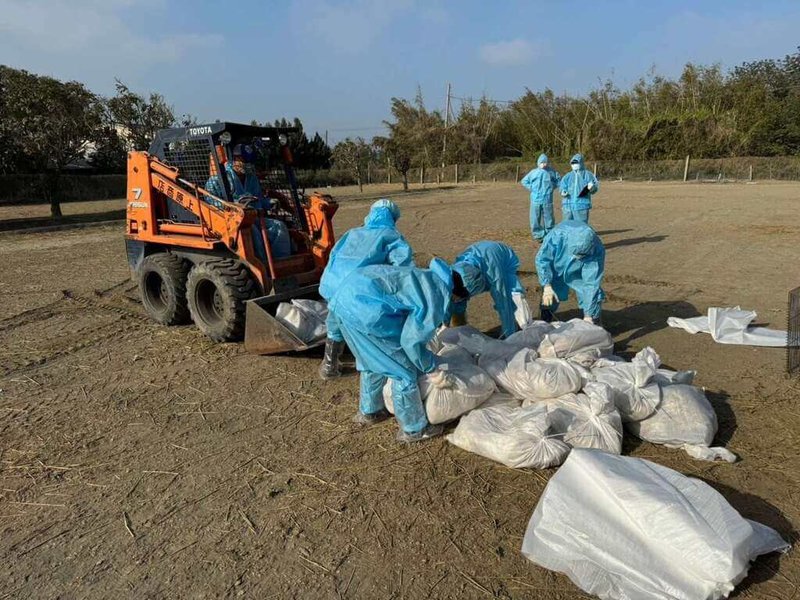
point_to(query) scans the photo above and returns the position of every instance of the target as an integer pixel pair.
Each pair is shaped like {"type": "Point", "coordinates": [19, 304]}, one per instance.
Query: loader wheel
{"type": "Point", "coordinates": [217, 291]}
{"type": "Point", "coordinates": [162, 286]}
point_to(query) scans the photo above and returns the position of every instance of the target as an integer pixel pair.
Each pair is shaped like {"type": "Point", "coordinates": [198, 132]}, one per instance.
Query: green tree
{"type": "Point", "coordinates": [352, 157]}
{"type": "Point", "coordinates": [138, 119]}
{"type": "Point", "coordinates": [53, 123]}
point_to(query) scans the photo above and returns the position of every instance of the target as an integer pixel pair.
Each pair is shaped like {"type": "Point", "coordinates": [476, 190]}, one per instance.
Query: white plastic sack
{"type": "Point", "coordinates": [531, 336]}
{"type": "Point", "coordinates": [684, 419]}
{"type": "Point", "coordinates": [587, 420]}
{"type": "Point", "coordinates": [304, 318]}
{"type": "Point", "coordinates": [626, 528]}
{"type": "Point", "coordinates": [451, 353]}
{"type": "Point", "coordinates": [579, 341]}
{"type": "Point", "coordinates": [471, 340]}
{"type": "Point", "coordinates": [668, 377]}
{"type": "Point", "coordinates": [515, 437]}
{"type": "Point", "coordinates": [471, 386]}
{"type": "Point", "coordinates": [501, 399]}
{"type": "Point", "coordinates": [635, 392]}
{"type": "Point", "coordinates": [528, 377]}
{"type": "Point", "coordinates": [731, 326]}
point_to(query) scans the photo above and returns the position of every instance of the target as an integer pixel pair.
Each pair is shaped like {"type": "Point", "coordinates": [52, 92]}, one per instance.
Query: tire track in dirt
{"type": "Point", "coordinates": [125, 321]}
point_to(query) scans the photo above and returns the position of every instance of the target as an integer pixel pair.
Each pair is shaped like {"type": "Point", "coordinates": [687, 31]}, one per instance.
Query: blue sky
{"type": "Point", "coordinates": [337, 63]}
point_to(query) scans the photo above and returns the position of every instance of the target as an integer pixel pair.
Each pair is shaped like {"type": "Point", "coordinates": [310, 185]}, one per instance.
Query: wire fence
{"type": "Point", "coordinates": [29, 189]}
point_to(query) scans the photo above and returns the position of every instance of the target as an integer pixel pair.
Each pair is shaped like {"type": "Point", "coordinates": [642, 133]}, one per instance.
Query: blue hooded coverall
{"type": "Point", "coordinates": [388, 315]}
{"type": "Point", "coordinates": [376, 243]}
{"type": "Point", "coordinates": [577, 200]}
{"type": "Point", "coordinates": [277, 232]}
{"type": "Point", "coordinates": [541, 183]}
{"type": "Point", "coordinates": [573, 257]}
{"type": "Point", "coordinates": [490, 267]}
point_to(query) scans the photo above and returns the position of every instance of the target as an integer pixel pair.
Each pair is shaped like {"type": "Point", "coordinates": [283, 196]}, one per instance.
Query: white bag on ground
{"type": "Point", "coordinates": [471, 386]}
{"type": "Point", "coordinates": [452, 353]}
{"type": "Point", "coordinates": [626, 528]}
{"type": "Point", "coordinates": [304, 318]}
{"type": "Point", "coordinates": [531, 336]}
{"type": "Point", "coordinates": [471, 340]}
{"type": "Point", "coordinates": [684, 419]}
{"type": "Point", "coordinates": [635, 392]}
{"type": "Point", "coordinates": [501, 399]}
{"type": "Point", "coordinates": [515, 437]}
{"type": "Point", "coordinates": [579, 341]}
{"type": "Point", "coordinates": [528, 377]}
{"type": "Point", "coordinates": [587, 420]}
{"type": "Point", "coordinates": [731, 326]}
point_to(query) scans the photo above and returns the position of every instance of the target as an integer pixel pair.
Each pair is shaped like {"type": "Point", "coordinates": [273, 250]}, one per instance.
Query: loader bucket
{"type": "Point", "coordinates": [264, 334]}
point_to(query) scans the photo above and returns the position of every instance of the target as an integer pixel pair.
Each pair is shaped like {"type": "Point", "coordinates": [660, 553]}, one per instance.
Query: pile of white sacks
{"type": "Point", "coordinates": [528, 400]}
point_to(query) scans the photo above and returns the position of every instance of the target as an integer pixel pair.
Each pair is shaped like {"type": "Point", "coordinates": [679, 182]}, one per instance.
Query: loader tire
{"type": "Point", "coordinates": [216, 292]}
{"type": "Point", "coordinates": [162, 286]}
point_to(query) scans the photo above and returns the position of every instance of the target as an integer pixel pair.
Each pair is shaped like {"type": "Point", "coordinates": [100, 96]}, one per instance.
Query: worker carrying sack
{"type": "Point", "coordinates": [528, 377]}
{"type": "Point", "coordinates": [304, 318]}
{"type": "Point", "coordinates": [578, 341]}
{"type": "Point", "coordinates": [586, 420]}
{"type": "Point", "coordinates": [515, 437]}
{"type": "Point", "coordinates": [635, 392]}
{"type": "Point", "coordinates": [624, 527]}
{"type": "Point", "coordinates": [468, 386]}
{"type": "Point", "coordinates": [684, 419]}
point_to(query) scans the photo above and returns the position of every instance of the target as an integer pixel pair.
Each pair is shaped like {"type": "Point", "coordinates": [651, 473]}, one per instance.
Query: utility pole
{"type": "Point", "coordinates": [446, 123]}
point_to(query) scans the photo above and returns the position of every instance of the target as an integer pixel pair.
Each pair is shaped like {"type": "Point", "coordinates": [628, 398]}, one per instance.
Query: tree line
{"type": "Point", "coordinates": [750, 110]}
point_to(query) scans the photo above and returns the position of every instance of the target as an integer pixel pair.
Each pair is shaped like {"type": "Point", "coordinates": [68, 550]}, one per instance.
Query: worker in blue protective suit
{"type": "Point", "coordinates": [388, 315]}
{"type": "Point", "coordinates": [577, 188]}
{"type": "Point", "coordinates": [572, 257]}
{"type": "Point", "coordinates": [492, 267]}
{"type": "Point", "coordinates": [541, 182]}
{"type": "Point", "coordinates": [376, 243]}
{"type": "Point", "coordinates": [244, 185]}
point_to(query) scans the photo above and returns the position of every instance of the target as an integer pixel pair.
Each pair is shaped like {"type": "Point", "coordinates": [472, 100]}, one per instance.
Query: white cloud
{"type": "Point", "coordinates": [509, 53]}
{"type": "Point", "coordinates": [90, 40]}
{"type": "Point", "coordinates": [349, 26]}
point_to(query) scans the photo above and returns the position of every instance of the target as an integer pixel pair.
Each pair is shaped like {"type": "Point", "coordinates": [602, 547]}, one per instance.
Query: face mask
{"type": "Point", "coordinates": [542, 165]}
{"type": "Point", "coordinates": [575, 166]}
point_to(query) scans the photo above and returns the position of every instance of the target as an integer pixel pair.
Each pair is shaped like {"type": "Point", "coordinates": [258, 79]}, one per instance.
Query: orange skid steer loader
{"type": "Point", "coordinates": [206, 256]}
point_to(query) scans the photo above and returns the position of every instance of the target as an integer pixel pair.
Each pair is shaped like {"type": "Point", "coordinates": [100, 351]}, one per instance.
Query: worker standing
{"type": "Point", "coordinates": [541, 182]}
{"type": "Point", "coordinates": [573, 257]}
{"type": "Point", "coordinates": [492, 267]}
{"type": "Point", "coordinates": [577, 188]}
{"type": "Point", "coordinates": [244, 186]}
{"type": "Point", "coordinates": [378, 242]}
{"type": "Point", "coordinates": [387, 316]}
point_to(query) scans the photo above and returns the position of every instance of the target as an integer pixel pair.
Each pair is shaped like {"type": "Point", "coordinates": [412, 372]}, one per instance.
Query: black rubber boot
{"type": "Point", "coordinates": [546, 314]}
{"type": "Point", "coordinates": [330, 368]}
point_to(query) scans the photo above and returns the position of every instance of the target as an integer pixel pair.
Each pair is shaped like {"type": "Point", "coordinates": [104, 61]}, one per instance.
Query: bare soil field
{"type": "Point", "coordinates": [140, 461]}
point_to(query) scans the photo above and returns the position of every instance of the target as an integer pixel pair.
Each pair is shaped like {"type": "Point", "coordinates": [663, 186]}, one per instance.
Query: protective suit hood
{"type": "Point", "coordinates": [472, 277]}
{"type": "Point", "coordinates": [542, 159]}
{"type": "Point", "coordinates": [383, 213]}
{"type": "Point", "coordinates": [579, 159]}
{"type": "Point", "coordinates": [580, 241]}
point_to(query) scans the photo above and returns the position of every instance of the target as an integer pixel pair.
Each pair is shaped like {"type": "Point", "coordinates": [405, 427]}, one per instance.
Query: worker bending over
{"type": "Point", "coordinates": [387, 316]}
{"type": "Point", "coordinates": [577, 188]}
{"type": "Point", "coordinates": [541, 182]}
{"type": "Point", "coordinates": [572, 257]}
{"type": "Point", "coordinates": [376, 243]}
{"type": "Point", "coordinates": [492, 267]}
{"type": "Point", "coordinates": [245, 187]}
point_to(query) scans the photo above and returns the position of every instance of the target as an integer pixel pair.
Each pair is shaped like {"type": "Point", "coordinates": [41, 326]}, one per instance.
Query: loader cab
{"type": "Point", "coordinates": [202, 153]}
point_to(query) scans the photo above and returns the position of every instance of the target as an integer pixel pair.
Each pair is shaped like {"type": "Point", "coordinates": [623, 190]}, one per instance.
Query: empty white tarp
{"type": "Point", "coordinates": [731, 326]}
{"type": "Point", "coordinates": [626, 528]}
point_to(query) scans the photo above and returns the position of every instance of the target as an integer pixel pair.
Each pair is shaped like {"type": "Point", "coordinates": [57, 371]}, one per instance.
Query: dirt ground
{"type": "Point", "coordinates": [140, 461]}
